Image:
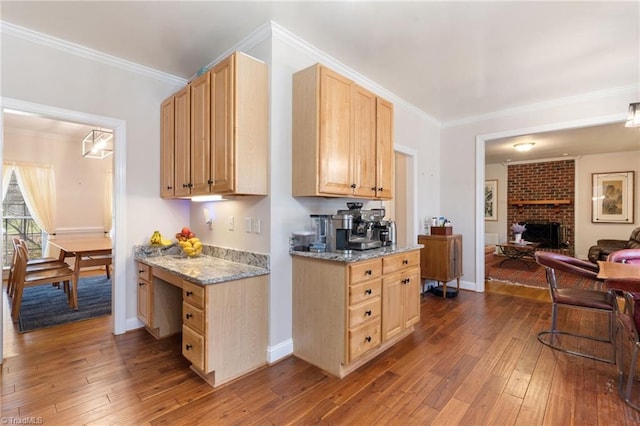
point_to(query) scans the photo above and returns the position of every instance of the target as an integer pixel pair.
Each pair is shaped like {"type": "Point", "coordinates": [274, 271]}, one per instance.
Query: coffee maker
{"type": "Point", "coordinates": [354, 228]}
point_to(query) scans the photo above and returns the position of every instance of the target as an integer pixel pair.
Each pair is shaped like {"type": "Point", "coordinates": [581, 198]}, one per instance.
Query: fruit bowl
{"type": "Point", "coordinates": [191, 247]}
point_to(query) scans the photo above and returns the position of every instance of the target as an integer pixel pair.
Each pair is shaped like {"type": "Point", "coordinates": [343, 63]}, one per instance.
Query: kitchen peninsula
{"type": "Point", "coordinates": [218, 301]}
{"type": "Point", "coordinates": [348, 308]}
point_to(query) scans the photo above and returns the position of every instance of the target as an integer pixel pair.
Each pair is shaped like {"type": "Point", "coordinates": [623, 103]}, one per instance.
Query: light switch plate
{"type": "Point", "coordinates": [231, 223]}
{"type": "Point", "coordinates": [257, 225]}
{"type": "Point", "coordinates": [247, 224]}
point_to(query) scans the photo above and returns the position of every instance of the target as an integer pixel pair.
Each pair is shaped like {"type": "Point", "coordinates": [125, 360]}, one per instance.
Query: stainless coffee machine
{"type": "Point", "coordinates": [357, 229]}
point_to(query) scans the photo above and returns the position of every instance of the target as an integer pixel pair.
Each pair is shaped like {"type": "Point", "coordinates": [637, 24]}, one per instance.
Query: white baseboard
{"type": "Point", "coordinates": [279, 351]}
{"type": "Point", "coordinates": [133, 324]}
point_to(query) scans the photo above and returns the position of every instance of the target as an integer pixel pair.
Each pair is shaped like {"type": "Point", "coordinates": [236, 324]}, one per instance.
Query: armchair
{"type": "Point", "coordinates": [604, 248]}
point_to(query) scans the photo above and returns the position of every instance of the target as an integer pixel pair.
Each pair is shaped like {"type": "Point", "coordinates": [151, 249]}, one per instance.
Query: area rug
{"type": "Point", "coordinates": [45, 306]}
{"type": "Point", "coordinates": [529, 273]}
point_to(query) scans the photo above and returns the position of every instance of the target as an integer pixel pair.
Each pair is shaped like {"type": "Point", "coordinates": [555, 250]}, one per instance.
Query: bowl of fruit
{"type": "Point", "coordinates": [189, 243]}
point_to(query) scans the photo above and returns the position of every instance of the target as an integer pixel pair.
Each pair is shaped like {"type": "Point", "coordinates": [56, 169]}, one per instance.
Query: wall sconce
{"type": "Point", "coordinates": [524, 147]}
{"type": "Point", "coordinates": [633, 119]}
{"type": "Point", "coordinates": [98, 144]}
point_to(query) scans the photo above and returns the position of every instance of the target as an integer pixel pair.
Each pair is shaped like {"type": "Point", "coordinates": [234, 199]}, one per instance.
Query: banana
{"type": "Point", "coordinates": [165, 242]}
{"type": "Point", "coordinates": [156, 238]}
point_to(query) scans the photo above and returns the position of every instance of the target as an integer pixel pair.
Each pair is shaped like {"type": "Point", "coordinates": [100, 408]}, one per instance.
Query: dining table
{"type": "Point", "coordinates": [620, 276]}
{"type": "Point", "coordinates": [88, 252]}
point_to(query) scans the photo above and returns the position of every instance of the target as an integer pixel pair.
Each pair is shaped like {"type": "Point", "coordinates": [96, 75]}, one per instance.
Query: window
{"type": "Point", "coordinates": [17, 222]}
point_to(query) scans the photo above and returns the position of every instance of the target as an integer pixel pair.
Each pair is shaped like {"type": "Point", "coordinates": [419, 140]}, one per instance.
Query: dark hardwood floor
{"type": "Point", "coordinates": [472, 360]}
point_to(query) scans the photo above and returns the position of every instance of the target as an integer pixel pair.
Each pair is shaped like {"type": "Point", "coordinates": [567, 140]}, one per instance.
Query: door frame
{"type": "Point", "coordinates": [118, 302]}
{"type": "Point", "coordinates": [413, 223]}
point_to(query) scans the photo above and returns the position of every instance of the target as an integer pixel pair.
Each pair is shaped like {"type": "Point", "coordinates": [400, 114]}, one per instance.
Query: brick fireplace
{"type": "Point", "coordinates": [543, 194]}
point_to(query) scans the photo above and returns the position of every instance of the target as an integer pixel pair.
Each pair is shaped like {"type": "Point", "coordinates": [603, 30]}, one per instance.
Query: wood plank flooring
{"type": "Point", "coordinates": [472, 360]}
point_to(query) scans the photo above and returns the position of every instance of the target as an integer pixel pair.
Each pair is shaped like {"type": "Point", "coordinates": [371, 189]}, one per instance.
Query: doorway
{"type": "Point", "coordinates": [118, 185]}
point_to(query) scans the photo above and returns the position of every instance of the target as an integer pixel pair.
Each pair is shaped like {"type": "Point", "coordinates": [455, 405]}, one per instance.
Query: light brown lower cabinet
{"type": "Point", "coordinates": [345, 314]}
{"type": "Point", "coordinates": [223, 326]}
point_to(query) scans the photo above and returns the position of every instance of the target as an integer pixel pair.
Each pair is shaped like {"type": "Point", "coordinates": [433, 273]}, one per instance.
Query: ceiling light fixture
{"type": "Point", "coordinates": [633, 120]}
{"type": "Point", "coordinates": [98, 144]}
{"type": "Point", "coordinates": [524, 147]}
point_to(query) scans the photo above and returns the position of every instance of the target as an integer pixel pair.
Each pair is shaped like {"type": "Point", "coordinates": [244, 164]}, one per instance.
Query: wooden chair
{"type": "Point", "coordinates": [594, 300]}
{"type": "Point", "coordinates": [22, 279]}
{"type": "Point", "coordinates": [33, 265]}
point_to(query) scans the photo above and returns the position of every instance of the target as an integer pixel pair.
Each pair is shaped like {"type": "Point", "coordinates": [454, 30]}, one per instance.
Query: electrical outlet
{"type": "Point", "coordinates": [231, 223]}
{"type": "Point", "coordinates": [257, 225]}
{"type": "Point", "coordinates": [247, 224]}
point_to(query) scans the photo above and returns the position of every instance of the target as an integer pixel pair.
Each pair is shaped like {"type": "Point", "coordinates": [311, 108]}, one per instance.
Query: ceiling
{"type": "Point", "coordinates": [452, 60]}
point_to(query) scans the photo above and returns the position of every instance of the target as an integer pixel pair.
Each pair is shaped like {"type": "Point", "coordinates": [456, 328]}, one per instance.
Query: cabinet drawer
{"type": "Point", "coordinates": [144, 271]}
{"type": "Point", "coordinates": [364, 271]}
{"type": "Point", "coordinates": [399, 261]}
{"type": "Point", "coordinates": [363, 291]}
{"type": "Point", "coordinates": [364, 312]}
{"type": "Point", "coordinates": [193, 317]}
{"type": "Point", "coordinates": [193, 347]}
{"type": "Point", "coordinates": [363, 339]}
{"type": "Point", "coordinates": [193, 294]}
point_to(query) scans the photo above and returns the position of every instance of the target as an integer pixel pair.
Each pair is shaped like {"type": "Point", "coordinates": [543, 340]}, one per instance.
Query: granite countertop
{"type": "Point", "coordinates": [207, 268]}
{"type": "Point", "coordinates": [356, 255]}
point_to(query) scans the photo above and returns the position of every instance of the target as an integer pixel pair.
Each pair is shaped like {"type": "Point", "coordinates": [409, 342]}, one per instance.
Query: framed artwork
{"type": "Point", "coordinates": [491, 200]}
{"type": "Point", "coordinates": [612, 198]}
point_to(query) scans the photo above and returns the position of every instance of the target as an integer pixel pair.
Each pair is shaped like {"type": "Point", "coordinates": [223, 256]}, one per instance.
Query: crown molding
{"type": "Point", "coordinates": [85, 52]}
{"type": "Point", "coordinates": [631, 90]}
{"type": "Point", "coordinates": [280, 33]}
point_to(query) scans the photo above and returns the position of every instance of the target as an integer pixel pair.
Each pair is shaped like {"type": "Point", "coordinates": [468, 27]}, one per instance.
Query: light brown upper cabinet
{"type": "Point", "coordinates": [218, 144]}
{"type": "Point", "coordinates": [342, 138]}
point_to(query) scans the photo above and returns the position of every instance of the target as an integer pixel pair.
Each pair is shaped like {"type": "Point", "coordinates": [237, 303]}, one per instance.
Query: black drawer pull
{"type": "Point", "coordinates": [140, 271]}
{"type": "Point", "coordinates": [189, 316]}
{"type": "Point", "coordinates": [368, 291]}
{"type": "Point", "coordinates": [353, 185]}
{"type": "Point", "coordinates": [189, 293]}
{"type": "Point", "coordinates": [188, 347]}
{"type": "Point", "coordinates": [367, 314]}
{"type": "Point", "coordinates": [405, 262]}
{"type": "Point", "coordinates": [368, 272]}
{"type": "Point", "coordinates": [380, 189]}
{"type": "Point", "coordinates": [368, 338]}
{"type": "Point", "coordinates": [140, 283]}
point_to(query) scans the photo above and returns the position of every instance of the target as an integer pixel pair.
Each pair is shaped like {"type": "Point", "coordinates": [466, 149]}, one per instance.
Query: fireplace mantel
{"type": "Point", "coordinates": [555, 203]}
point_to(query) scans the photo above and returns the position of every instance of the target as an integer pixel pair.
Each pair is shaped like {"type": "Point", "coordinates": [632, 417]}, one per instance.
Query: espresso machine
{"type": "Point", "coordinates": [358, 229]}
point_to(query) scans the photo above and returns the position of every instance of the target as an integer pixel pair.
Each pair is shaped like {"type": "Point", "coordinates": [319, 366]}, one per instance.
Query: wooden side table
{"type": "Point", "coordinates": [441, 260]}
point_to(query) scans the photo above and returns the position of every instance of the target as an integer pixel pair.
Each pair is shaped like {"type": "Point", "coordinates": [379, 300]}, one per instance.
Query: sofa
{"type": "Point", "coordinates": [604, 248]}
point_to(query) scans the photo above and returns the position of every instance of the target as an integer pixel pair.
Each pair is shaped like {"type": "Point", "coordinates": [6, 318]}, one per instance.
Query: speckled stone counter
{"type": "Point", "coordinates": [216, 265]}
{"type": "Point", "coordinates": [356, 255]}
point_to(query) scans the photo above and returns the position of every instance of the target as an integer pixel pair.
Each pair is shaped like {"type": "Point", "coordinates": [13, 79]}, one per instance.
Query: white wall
{"type": "Point", "coordinates": [80, 182]}
{"type": "Point", "coordinates": [459, 186]}
{"type": "Point", "coordinates": [587, 233]}
{"type": "Point", "coordinates": [39, 74]}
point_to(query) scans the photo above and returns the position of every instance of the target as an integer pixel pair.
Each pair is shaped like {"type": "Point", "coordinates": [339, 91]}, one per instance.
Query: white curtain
{"type": "Point", "coordinates": [38, 186]}
{"type": "Point", "coordinates": [108, 202]}
{"type": "Point", "coordinates": [7, 169]}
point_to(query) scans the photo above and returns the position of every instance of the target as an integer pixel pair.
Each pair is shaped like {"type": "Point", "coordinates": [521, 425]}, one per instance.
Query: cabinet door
{"type": "Point", "coordinates": [167, 137]}
{"type": "Point", "coordinates": [182, 145]}
{"type": "Point", "coordinates": [392, 299]}
{"type": "Point", "coordinates": [411, 298]}
{"type": "Point", "coordinates": [335, 174]}
{"type": "Point", "coordinates": [384, 150]}
{"type": "Point", "coordinates": [222, 126]}
{"type": "Point", "coordinates": [364, 142]}
{"type": "Point", "coordinates": [455, 254]}
{"type": "Point", "coordinates": [144, 302]}
{"type": "Point", "coordinates": [200, 130]}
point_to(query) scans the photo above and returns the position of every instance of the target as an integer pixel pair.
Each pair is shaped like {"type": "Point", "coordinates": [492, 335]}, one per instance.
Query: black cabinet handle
{"type": "Point", "coordinates": [140, 271]}
{"type": "Point", "coordinates": [189, 316]}
{"type": "Point", "coordinates": [140, 283]}
{"type": "Point", "coordinates": [368, 338]}
{"type": "Point", "coordinates": [405, 262]}
{"type": "Point", "coordinates": [368, 291]}
{"type": "Point", "coordinates": [373, 189]}
{"type": "Point", "coordinates": [189, 293]}
{"type": "Point", "coordinates": [353, 185]}
{"type": "Point", "coordinates": [169, 187]}
{"type": "Point", "coordinates": [380, 189]}
{"type": "Point", "coordinates": [367, 314]}
{"type": "Point", "coordinates": [368, 272]}
{"type": "Point", "coordinates": [188, 347]}
{"type": "Point", "coordinates": [210, 182]}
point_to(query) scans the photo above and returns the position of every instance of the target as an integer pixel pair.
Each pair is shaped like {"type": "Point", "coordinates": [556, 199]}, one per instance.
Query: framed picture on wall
{"type": "Point", "coordinates": [612, 197]}
{"type": "Point", "coordinates": [491, 199]}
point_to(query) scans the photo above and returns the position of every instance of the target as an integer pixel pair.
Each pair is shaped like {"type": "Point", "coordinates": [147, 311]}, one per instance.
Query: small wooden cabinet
{"type": "Point", "coordinates": [441, 258]}
{"type": "Point", "coordinates": [342, 137]}
{"type": "Point", "coordinates": [214, 132]}
{"type": "Point", "coordinates": [344, 314]}
{"type": "Point", "coordinates": [223, 326]}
